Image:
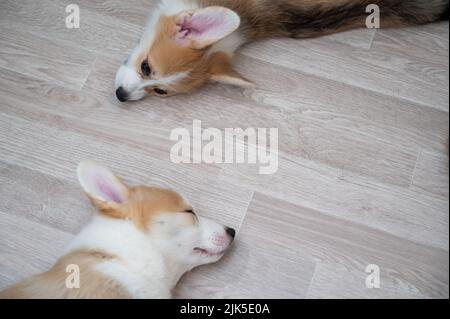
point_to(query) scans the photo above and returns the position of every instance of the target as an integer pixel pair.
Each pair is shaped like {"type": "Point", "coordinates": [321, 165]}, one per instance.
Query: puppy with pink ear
{"type": "Point", "coordinates": [190, 43]}
{"type": "Point", "coordinates": [138, 245]}
{"type": "Point", "coordinates": [185, 46]}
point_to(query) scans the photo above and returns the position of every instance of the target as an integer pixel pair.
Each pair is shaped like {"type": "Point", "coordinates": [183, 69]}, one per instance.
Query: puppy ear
{"type": "Point", "coordinates": [105, 190]}
{"type": "Point", "coordinates": [232, 78]}
{"type": "Point", "coordinates": [203, 27]}
{"type": "Point", "coordinates": [221, 71]}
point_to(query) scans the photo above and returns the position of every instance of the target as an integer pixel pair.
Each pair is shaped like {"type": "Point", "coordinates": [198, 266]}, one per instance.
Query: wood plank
{"type": "Point", "coordinates": [348, 142]}
{"type": "Point", "coordinates": [43, 57]}
{"type": "Point", "coordinates": [46, 19]}
{"type": "Point", "coordinates": [400, 211]}
{"type": "Point", "coordinates": [27, 248]}
{"type": "Point", "coordinates": [43, 199]}
{"type": "Point", "coordinates": [255, 268]}
{"type": "Point", "coordinates": [357, 38]}
{"type": "Point", "coordinates": [335, 281]}
{"type": "Point", "coordinates": [388, 68]}
{"type": "Point", "coordinates": [384, 118]}
{"type": "Point", "coordinates": [135, 12]}
{"type": "Point", "coordinates": [293, 229]}
{"type": "Point", "coordinates": [60, 151]}
{"type": "Point", "coordinates": [88, 113]}
{"type": "Point", "coordinates": [431, 174]}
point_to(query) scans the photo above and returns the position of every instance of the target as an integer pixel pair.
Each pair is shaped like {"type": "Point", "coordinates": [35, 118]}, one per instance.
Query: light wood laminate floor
{"type": "Point", "coordinates": [363, 177]}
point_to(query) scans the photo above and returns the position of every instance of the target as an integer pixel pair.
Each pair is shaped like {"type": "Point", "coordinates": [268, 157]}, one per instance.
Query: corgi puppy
{"type": "Point", "coordinates": [189, 43]}
{"type": "Point", "coordinates": [139, 245]}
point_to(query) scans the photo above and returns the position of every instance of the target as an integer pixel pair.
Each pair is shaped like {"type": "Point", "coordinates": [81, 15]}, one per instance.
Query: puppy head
{"type": "Point", "coordinates": [174, 55]}
{"type": "Point", "coordinates": [168, 220]}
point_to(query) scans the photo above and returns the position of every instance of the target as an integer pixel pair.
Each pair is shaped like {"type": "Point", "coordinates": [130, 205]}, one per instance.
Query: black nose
{"type": "Point", "coordinates": [121, 94]}
{"type": "Point", "coordinates": [231, 232]}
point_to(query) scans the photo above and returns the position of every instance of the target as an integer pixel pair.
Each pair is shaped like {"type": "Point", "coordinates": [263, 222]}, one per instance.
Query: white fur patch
{"type": "Point", "coordinates": [149, 265]}
{"type": "Point", "coordinates": [130, 80]}
{"type": "Point", "coordinates": [140, 266]}
{"type": "Point", "coordinates": [135, 86]}
{"type": "Point", "coordinates": [228, 45]}
{"type": "Point", "coordinates": [168, 80]}
{"type": "Point", "coordinates": [173, 7]}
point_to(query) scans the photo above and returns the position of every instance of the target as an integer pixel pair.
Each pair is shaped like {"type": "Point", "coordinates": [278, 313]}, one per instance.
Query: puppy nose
{"type": "Point", "coordinates": [231, 232]}
{"type": "Point", "coordinates": [121, 94]}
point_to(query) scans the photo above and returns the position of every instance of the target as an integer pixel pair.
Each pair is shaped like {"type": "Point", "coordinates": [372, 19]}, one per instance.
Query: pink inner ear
{"type": "Point", "coordinates": [107, 189]}
{"type": "Point", "coordinates": [203, 23]}
{"type": "Point", "coordinates": [204, 26]}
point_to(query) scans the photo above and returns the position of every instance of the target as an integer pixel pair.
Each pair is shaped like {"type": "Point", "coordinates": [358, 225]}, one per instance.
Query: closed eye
{"type": "Point", "coordinates": [191, 211]}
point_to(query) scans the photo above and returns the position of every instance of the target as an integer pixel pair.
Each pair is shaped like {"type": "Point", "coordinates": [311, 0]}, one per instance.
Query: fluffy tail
{"type": "Point", "coordinates": [310, 18]}
{"type": "Point", "coordinates": [323, 19]}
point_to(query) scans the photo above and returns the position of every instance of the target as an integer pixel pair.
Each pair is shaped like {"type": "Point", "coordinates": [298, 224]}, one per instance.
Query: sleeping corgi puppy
{"type": "Point", "coordinates": [141, 243]}
{"type": "Point", "coordinates": [189, 43]}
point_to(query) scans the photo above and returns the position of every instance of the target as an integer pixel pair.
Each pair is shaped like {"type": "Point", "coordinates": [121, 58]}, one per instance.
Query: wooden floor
{"type": "Point", "coordinates": [363, 178]}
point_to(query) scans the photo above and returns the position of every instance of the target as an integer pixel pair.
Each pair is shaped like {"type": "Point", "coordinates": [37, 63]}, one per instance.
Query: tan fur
{"type": "Point", "coordinates": [143, 204]}
{"type": "Point", "coordinates": [52, 284]}
{"type": "Point", "coordinates": [166, 57]}
{"type": "Point", "coordinates": [220, 69]}
{"type": "Point", "coordinates": [220, 64]}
